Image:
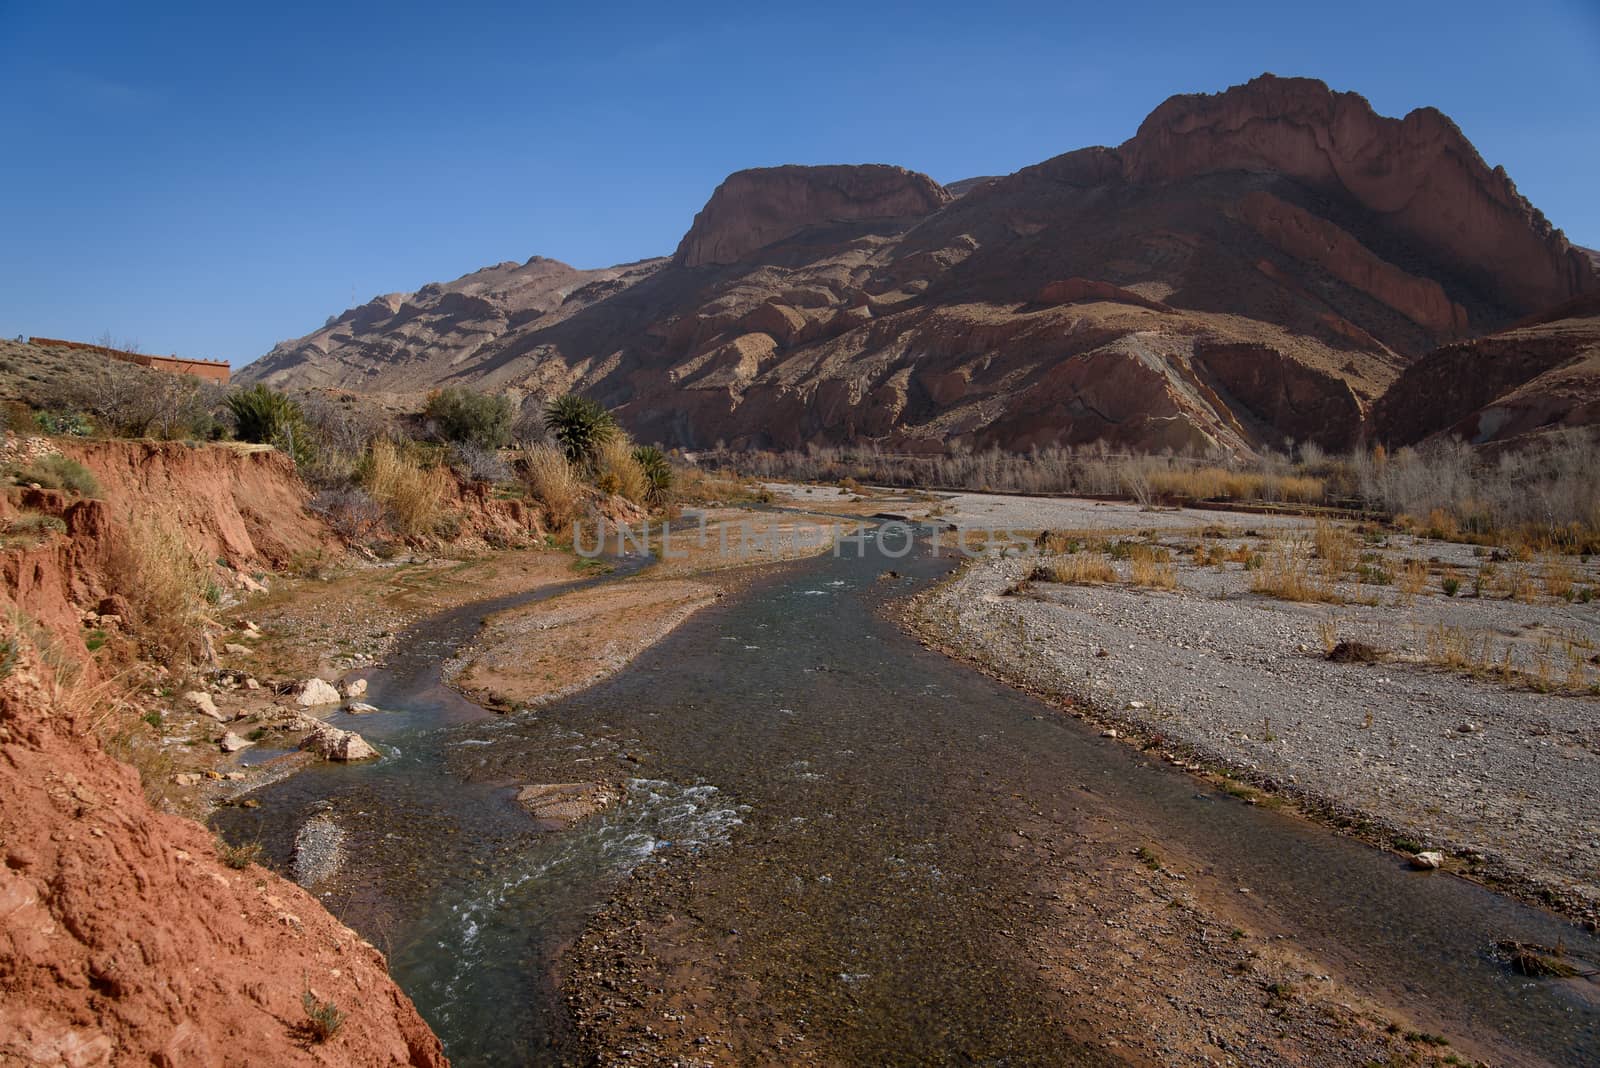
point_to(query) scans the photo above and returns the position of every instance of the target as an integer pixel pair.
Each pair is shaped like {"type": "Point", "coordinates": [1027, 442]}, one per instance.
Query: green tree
{"type": "Point", "coordinates": [481, 419]}
{"type": "Point", "coordinates": [580, 426]}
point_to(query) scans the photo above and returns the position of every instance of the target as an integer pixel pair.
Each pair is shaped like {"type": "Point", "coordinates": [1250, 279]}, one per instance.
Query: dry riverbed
{"type": "Point", "coordinates": [1473, 732]}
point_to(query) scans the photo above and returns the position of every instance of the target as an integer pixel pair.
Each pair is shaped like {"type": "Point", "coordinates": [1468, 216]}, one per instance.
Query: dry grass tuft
{"type": "Point", "coordinates": [1559, 580]}
{"type": "Point", "coordinates": [1412, 579]}
{"type": "Point", "coordinates": [1151, 565]}
{"type": "Point", "coordinates": [616, 470]}
{"type": "Point", "coordinates": [1080, 568]}
{"type": "Point", "coordinates": [554, 483]}
{"type": "Point", "coordinates": [164, 583]}
{"type": "Point", "coordinates": [1335, 548]}
{"type": "Point", "coordinates": [1287, 574]}
{"type": "Point", "coordinates": [412, 494]}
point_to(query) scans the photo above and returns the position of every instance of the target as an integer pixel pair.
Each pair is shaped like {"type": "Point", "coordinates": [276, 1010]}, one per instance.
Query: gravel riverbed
{"type": "Point", "coordinates": [1500, 777]}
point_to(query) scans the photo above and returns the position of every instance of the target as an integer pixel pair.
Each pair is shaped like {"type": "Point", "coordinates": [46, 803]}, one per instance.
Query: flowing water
{"type": "Point", "coordinates": [844, 797]}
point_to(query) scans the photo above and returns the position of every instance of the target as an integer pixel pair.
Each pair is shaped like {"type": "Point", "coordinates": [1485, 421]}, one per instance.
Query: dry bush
{"type": "Point", "coordinates": [1151, 565]}
{"type": "Point", "coordinates": [554, 483]}
{"type": "Point", "coordinates": [165, 584]}
{"type": "Point", "coordinates": [351, 513]}
{"type": "Point", "coordinates": [1079, 568]}
{"type": "Point", "coordinates": [1287, 574]}
{"type": "Point", "coordinates": [1519, 585]}
{"type": "Point", "coordinates": [413, 495]}
{"type": "Point", "coordinates": [617, 471]}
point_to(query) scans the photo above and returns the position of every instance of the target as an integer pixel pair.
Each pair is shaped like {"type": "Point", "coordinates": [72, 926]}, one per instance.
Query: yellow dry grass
{"type": "Point", "coordinates": [412, 494]}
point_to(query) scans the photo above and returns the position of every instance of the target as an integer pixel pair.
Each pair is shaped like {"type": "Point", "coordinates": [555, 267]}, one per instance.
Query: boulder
{"type": "Point", "coordinates": [235, 649]}
{"type": "Point", "coordinates": [232, 743]}
{"type": "Point", "coordinates": [331, 743]}
{"type": "Point", "coordinates": [187, 778]}
{"type": "Point", "coordinates": [1428, 861]}
{"type": "Point", "coordinates": [361, 708]}
{"type": "Point", "coordinates": [316, 692]}
{"type": "Point", "coordinates": [353, 688]}
{"type": "Point", "coordinates": [202, 703]}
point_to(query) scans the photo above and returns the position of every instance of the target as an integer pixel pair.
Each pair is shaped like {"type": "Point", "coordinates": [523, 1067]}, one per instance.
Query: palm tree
{"type": "Point", "coordinates": [580, 425]}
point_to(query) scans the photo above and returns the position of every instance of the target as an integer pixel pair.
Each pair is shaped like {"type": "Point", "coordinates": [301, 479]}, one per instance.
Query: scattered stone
{"type": "Point", "coordinates": [316, 692]}
{"type": "Point", "coordinates": [1428, 861]}
{"type": "Point", "coordinates": [331, 743]}
{"type": "Point", "coordinates": [1468, 728]}
{"type": "Point", "coordinates": [251, 684]}
{"type": "Point", "coordinates": [353, 688]}
{"type": "Point", "coordinates": [361, 708]}
{"type": "Point", "coordinates": [232, 743]}
{"type": "Point", "coordinates": [235, 649]}
{"type": "Point", "coordinates": [203, 704]}
{"type": "Point", "coordinates": [1110, 733]}
{"type": "Point", "coordinates": [187, 778]}
{"type": "Point", "coordinates": [1135, 704]}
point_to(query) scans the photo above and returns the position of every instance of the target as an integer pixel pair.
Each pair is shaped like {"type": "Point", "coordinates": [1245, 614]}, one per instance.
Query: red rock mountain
{"type": "Point", "coordinates": [1251, 266]}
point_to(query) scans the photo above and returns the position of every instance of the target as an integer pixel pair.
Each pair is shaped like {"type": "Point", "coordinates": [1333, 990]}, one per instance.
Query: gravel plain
{"type": "Point", "coordinates": [1411, 753]}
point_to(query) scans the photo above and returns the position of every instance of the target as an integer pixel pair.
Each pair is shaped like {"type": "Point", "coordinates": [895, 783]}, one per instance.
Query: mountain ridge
{"type": "Point", "coordinates": [1252, 265]}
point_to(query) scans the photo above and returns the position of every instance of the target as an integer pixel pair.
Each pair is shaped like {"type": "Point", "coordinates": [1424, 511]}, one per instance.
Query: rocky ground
{"type": "Point", "coordinates": [1472, 732]}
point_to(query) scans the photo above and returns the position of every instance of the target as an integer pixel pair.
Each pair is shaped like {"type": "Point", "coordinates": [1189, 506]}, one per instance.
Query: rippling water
{"type": "Point", "coordinates": [845, 793]}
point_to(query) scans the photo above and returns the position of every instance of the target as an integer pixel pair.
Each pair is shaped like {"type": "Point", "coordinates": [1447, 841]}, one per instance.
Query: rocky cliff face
{"type": "Point", "coordinates": [124, 938]}
{"type": "Point", "coordinates": [755, 208]}
{"type": "Point", "coordinates": [1250, 266]}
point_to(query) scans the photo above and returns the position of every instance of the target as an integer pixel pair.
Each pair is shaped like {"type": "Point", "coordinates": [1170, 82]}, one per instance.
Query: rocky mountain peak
{"type": "Point", "coordinates": [754, 208]}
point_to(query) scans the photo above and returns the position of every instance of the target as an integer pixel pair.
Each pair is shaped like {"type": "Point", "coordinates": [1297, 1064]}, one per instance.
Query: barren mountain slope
{"type": "Point", "coordinates": [1540, 376]}
{"type": "Point", "coordinates": [1255, 265]}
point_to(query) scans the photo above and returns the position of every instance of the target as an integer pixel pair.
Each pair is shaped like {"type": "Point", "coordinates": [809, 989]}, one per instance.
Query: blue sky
{"type": "Point", "coordinates": [211, 181]}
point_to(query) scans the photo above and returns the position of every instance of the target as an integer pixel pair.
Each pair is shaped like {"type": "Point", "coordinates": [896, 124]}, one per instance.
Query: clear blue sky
{"type": "Point", "coordinates": [213, 179]}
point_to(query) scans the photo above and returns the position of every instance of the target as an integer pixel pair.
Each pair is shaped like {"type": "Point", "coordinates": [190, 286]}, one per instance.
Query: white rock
{"type": "Point", "coordinates": [353, 688]}
{"type": "Point", "coordinates": [232, 743]}
{"type": "Point", "coordinates": [1428, 861]}
{"type": "Point", "coordinates": [361, 708]}
{"type": "Point", "coordinates": [203, 704]}
{"type": "Point", "coordinates": [187, 778]}
{"type": "Point", "coordinates": [251, 684]}
{"type": "Point", "coordinates": [316, 692]}
{"type": "Point", "coordinates": [235, 649]}
{"type": "Point", "coordinates": [331, 743]}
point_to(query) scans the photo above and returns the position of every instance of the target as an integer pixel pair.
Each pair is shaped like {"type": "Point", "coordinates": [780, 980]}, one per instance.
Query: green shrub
{"type": "Point", "coordinates": [580, 425]}
{"type": "Point", "coordinates": [1451, 585]}
{"type": "Point", "coordinates": [323, 1018]}
{"type": "Point", "coordinates": [36, 523]}
{"type": "Point", "coordinates": [68, 424]}
{"type": "Point", "coordinates": [59, 472]}
{"type": "Point", "coordinates": [481, 419]}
